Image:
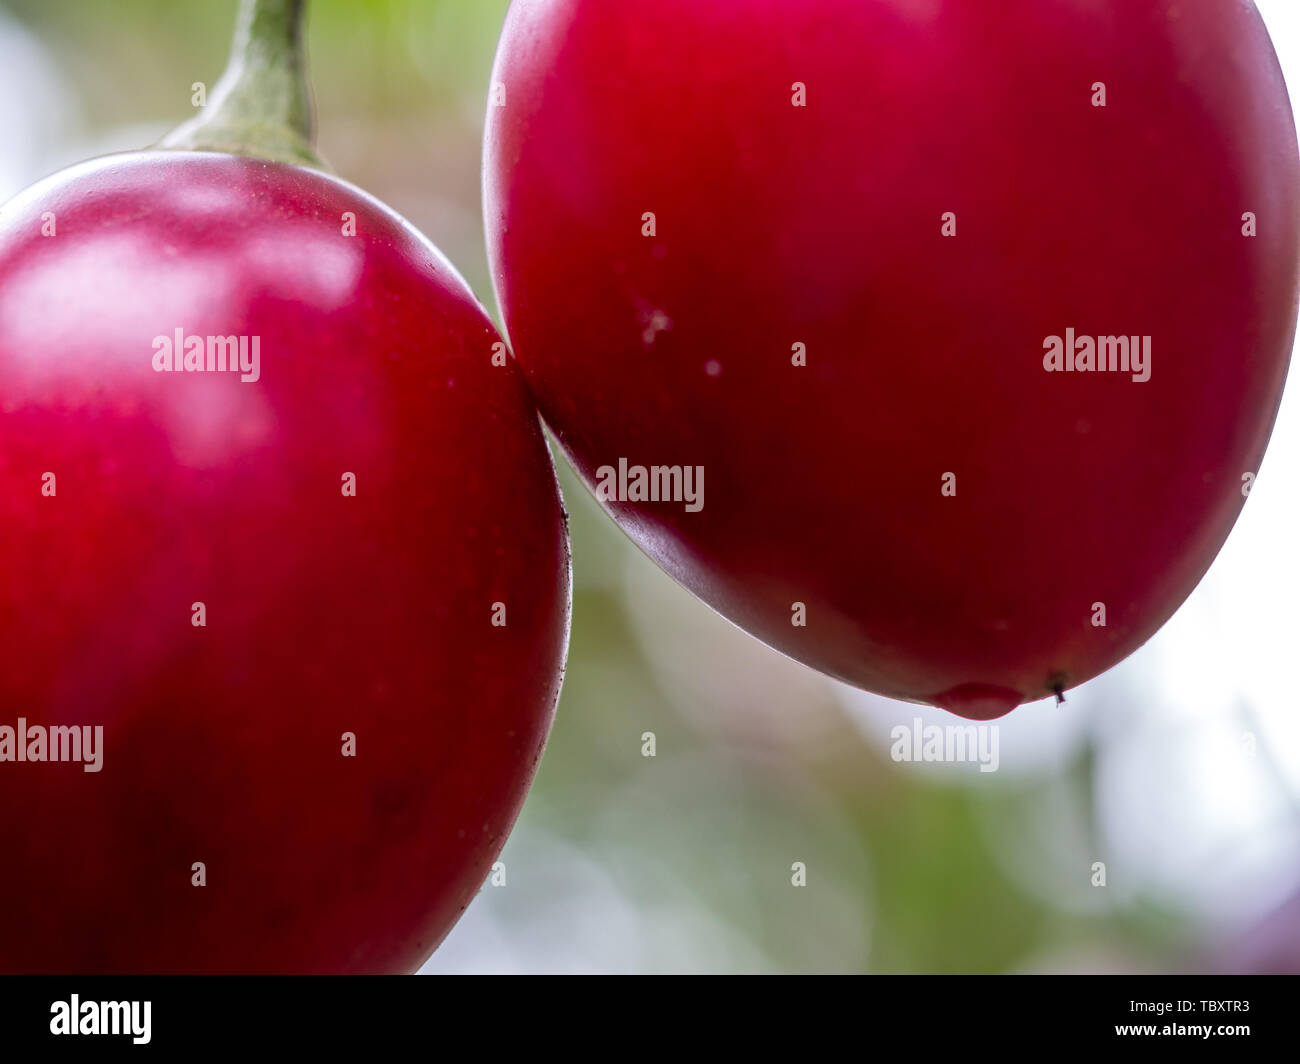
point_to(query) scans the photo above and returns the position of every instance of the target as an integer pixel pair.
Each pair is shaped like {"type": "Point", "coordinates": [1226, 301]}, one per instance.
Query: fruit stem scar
{"type": "Point", "coordinates": [262, 106]}
{"type": "Point", "coordinates": [1058, 689]}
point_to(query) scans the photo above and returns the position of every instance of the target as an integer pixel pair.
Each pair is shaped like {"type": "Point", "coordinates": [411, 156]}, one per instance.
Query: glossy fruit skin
{"type": "Point", "coordinates": [821, 225]}
{"type": "Point", "coordinates": [326, 613]}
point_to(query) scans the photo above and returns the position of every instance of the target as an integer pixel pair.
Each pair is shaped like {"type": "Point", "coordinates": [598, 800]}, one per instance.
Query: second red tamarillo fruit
{"type": "Point", "coordinates": [935, 344]}
{"type": "Point", "coordinates": [286, 589]}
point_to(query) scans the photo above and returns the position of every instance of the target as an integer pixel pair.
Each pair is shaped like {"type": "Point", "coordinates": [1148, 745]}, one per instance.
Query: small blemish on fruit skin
{"type": "Point", "coordinates": [653, 323]}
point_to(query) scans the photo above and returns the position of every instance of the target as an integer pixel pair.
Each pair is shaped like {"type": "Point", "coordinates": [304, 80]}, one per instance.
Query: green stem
{"type": "Point", "coordinates": [262, 104]}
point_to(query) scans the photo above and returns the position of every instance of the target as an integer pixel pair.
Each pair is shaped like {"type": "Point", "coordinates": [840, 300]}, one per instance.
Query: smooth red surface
{"type": "Point", "coordinates": [822, 225]}
{"type": "Point", "coordinates": [325, 614]}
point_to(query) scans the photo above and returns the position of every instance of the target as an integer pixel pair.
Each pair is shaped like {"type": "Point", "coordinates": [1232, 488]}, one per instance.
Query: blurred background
{"type": "Point", "coordinates": [1179, 770]}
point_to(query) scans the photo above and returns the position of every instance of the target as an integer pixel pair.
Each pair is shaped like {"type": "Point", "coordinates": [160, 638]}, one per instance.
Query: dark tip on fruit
{"type": "Point", "coordinates": [1058, 689]}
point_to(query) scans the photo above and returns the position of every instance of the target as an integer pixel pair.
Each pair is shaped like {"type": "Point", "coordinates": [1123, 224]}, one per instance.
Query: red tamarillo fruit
{"type": "Point", "coordinates": [286, 593]}
{"type": "Point", "coordinates": [935, 344]}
